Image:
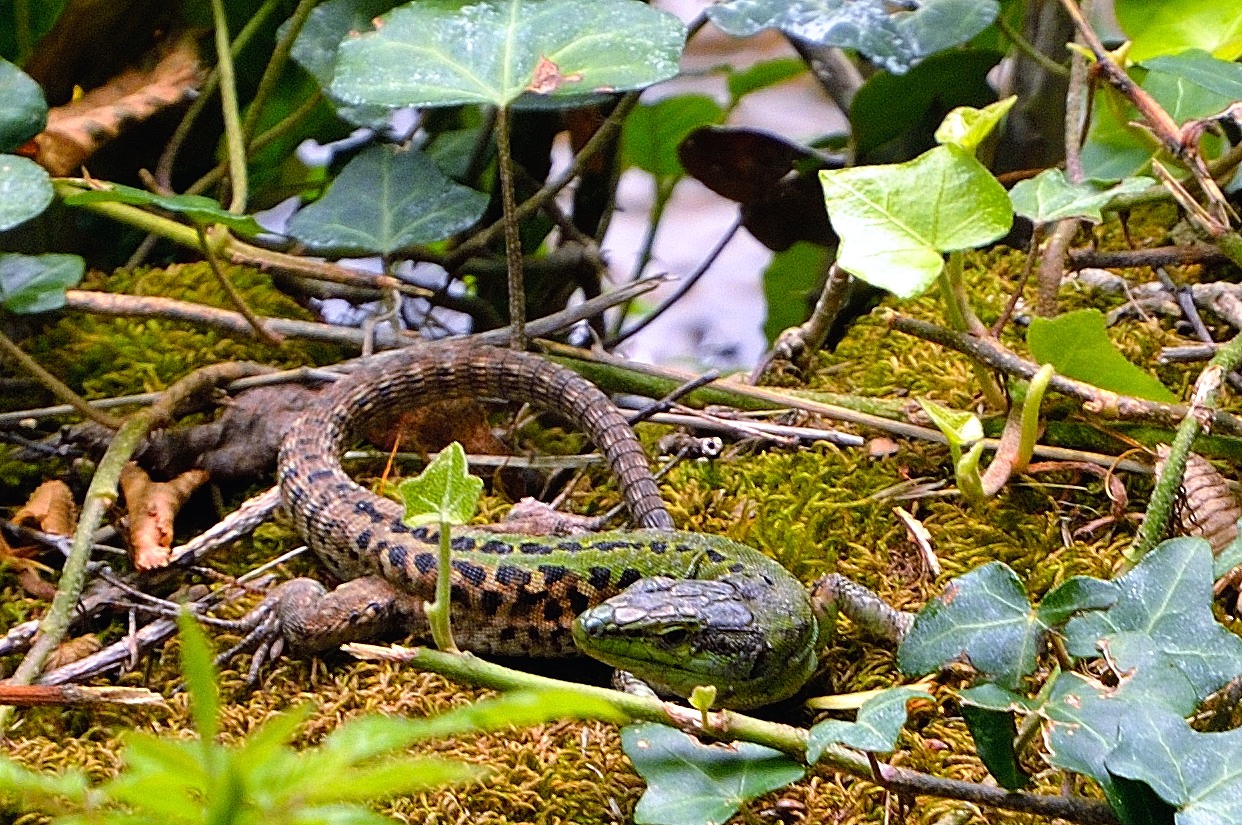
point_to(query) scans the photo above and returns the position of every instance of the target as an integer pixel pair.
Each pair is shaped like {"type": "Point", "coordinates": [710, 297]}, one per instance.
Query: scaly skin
{"type": "Point", "coordinates": [699, 609]}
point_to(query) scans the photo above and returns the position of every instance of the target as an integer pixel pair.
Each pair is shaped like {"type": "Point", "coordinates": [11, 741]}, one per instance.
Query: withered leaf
{"type": "Point", "coordinates": [78, 129]}
{"type": "Point", "coordinates": [152, 506]}
{"type": "Point", "coordinates": [771, 178]}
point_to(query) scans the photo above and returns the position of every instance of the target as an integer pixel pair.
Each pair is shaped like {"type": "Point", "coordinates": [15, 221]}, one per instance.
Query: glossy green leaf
{"type": "Point", "coordinates": [876, 728]}
{"type": "Point", "coordinates": [23, 111]}
{"type": "Point", "coordinates": [443, 492]}
{"type": "Point", "coordinates": [199, 670]}
{"type": "Point", "coordinates": [653, 132]}
{"type": "Point", "coordinates": [763, 75]}
{"type": "Point", "coordinates": [1049, 197]}
{"type": "Point", "coordinates": [994, 733]}
{"type": "Point", "coordinates": [1213, 75]}
{"type": "Point", "coordinates": [1081, 731]}
{"type": "Point", "coordinates": [983, 617]}
{"type": "Point", "coordinates": [196, 208]}
{"type": "Point", "coordinates": [927, 93]}
{"type": "Point", "coordinates": [37, 283]}
{"type": "Point", "coordinates": [690, 783]}
{"type": "Point", "coordinates": [507, 52]}
{"type": "Point", "coordinates": [25, 190]}
{"type": "Point", "coordinates": [895, 222]}
{"type": "Point", "coordinates": [894, 40]}
{"type": "Point", "coordinates": [1167, 598]}
{"type": "Point", "coordinates": [1076, 595]}
{"type": "Point", "coordinates": [1156, 28]}
{"type": "Point", "coordinates": [1077, 346]}
{"type": "Point", "coordinates": [967, 127]}
{"type": "Point", "coordinates": [789, 285]}
{"type": "Point", "coordinates": [1200, 774]}
{"type": "Point", "coordinates": [386, 199]}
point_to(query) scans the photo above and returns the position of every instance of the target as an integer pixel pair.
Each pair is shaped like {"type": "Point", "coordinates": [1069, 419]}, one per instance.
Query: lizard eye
{"type": "Point", "coordinates": [675, 636]}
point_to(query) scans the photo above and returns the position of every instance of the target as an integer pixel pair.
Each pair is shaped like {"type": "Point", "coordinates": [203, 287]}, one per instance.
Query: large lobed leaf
{"type": "Point", "coordinates": [25, 190]}
{"type": "Point", "coordinates": [507, 52]}
{"type": "Point", "coordinates": [37, 283]}
{"type": "Point", "coordinates": [23, 111]}
{"type": "Point", "coordinates": [1077, 346]}
{"type": "Point", "coordinates": [895, 41]}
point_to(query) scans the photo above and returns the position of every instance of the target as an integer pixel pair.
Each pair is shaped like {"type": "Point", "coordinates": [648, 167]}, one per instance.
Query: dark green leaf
{"type": "Point", "coordinates": [689, 783]}
{"type": "Point", "coordinates": [443, 492]}
{"type": "Point", "coordinates": [927, 93]}
{"type": "Point", "coordinates": [196, 208]}
{"type": "Point", "coordinates": [1049, 197]}
{"type": "Point", "coordinates": [386, 199]}
{"type": "Point", "coordinates": [1166, 602]}
{"type": "Point", "coordinates": [199, 671]}
{"type": "Point", "coordinates": [654, 131]}
{"type": "Point", "coordinates": [1200, 774]}
{"type": "Point", "coordinates": [789, 282]}
{"type": "Point", "coordinates": [994, 733]}
{"type": "Point", "coordinates": [507, 52]}
{"type": "Point", "coordinates": [1075, 595]}
{"type": "Point", "coordinates": [1168, 28]}
{"type": "Point", "coordinates": [23, 111]}
{"type": "Point", "coordinates": [763, 75]}
{"type": "Point", "coordinates": [896, 221]}
{"type": "Point", "coordinates": [1219, 77]}
{"type": "Point", "coordinates": [1077, 346]}
{"type": "Point", "coordinates": [879, 723]}
{"type": "Point", "coordinates": [895, 41]}
{"type": "Point", "coordinates": [25, 190]}
{"type": "Point", "coordinates": [984, 617]}
{"type": "Point", "coordinates": [37, 283]}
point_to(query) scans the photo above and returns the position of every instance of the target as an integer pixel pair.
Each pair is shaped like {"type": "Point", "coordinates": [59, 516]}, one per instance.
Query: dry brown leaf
{"type": "Point", "coordinates": [50, 508]}
{"type": "Point", "coordinates": [72, 650]}
{"type": "Point", "coordinates": [77, 130]}
{"type": "Point", "coordinates": [152, 506]}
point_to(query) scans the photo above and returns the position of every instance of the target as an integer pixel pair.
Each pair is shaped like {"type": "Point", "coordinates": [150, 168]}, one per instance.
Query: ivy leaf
{"type": "Point", "coordinates": [37, 283]}
{"type": "Point", "coordinates": [984, 617]}
{"type": "Point", "coordinates": [1170, 28]}
{"type": "Point", "coordinates": [967, 127]}
{"type": "Point", "coordinates": [895, 41]}
{"type": "Point", "coordinates": [198, 209]}
{"type": "Point", "coordinates": [790, 279]}
{"type": "Point", "coordinates": [25, 190]}
{"type": "Point", "coordinates": [443, 492]}
{"type": "Point", "coordinates": [895, 221]}
{"type": "Point", "coordinates": [959, 427]}
{"type": "Point", "coordinates": [1077, 346]}
{"type": "Point", "coordinates": [1200, 774]}
{"type": "Point", "coordinates": [994, 733]}
{"type": "Point", "coordinates": [763, 75]}
{"type": "Point", "coordinates": [876, 728]}
{"type": "Point", "coordinates": [507, 52]}
{"type": "Point", "coordinates": [690, 783]}
{"type": "Point", "coordinates": [1049, 197]}
{"type": "Point", "coordinates": [386, 199]}
{"type": "Point", "coordinates": [1075, 595]}
{"type": "Point", "coordinates": [1165, 606]}
{"type": "Point", "coordinates": [23, 111]}
{"type": "Point", "coordinates": [1229, 557]}
{"type": "Point", "coordinates": [1083, 721]}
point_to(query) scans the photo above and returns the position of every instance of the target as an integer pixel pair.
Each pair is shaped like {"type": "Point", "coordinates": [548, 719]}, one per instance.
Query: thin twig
{"type": "Point", "coordinates": [260, 331]}
{"type": "Point", "coordinates": [513, 241]}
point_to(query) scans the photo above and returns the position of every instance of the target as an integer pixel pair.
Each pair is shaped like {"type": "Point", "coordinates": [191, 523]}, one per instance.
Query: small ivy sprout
{"type": "Point", "coordinates": [444, 494]}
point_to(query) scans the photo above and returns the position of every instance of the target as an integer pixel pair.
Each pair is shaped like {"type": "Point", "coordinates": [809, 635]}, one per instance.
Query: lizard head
{"type": "Point", "coordinates": [751, 641]}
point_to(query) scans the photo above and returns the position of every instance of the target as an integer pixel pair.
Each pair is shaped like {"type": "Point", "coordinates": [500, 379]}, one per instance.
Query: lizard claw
{"type": "Point", "coordinates": [265, 625]}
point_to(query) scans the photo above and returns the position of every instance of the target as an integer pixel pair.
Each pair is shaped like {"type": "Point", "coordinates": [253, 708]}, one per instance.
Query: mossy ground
{"type": "Point", "coordinates": [815, 510]}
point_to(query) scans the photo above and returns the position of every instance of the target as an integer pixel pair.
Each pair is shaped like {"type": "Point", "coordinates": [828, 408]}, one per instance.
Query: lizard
{"type": "Point", "coordinates": [675, 609]}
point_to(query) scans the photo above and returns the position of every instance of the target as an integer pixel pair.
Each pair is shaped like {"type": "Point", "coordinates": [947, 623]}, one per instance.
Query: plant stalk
{"type": "Point", "coordinates": [513, 241]}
